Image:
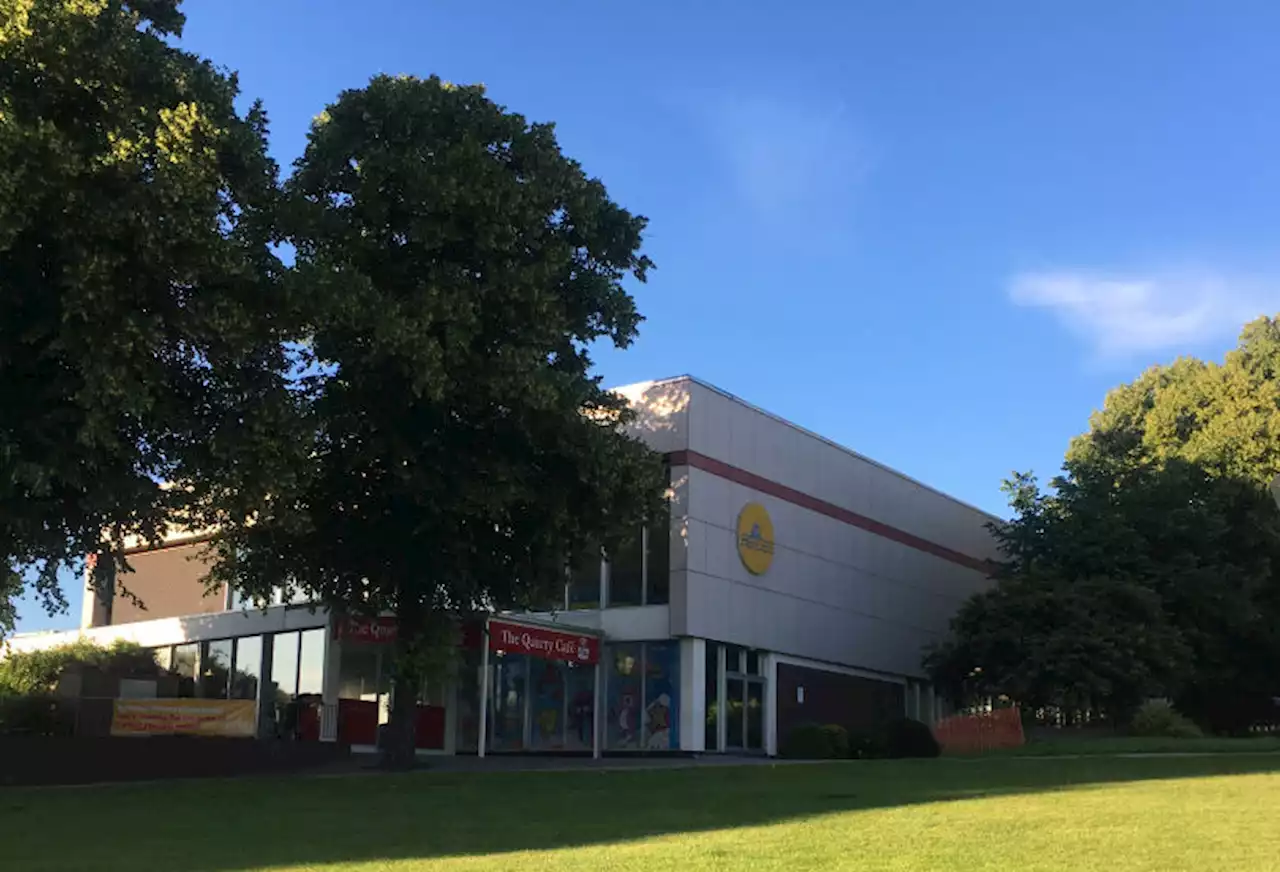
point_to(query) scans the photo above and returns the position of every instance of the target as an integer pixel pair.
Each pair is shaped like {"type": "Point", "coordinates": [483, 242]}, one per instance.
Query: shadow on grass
{"type": "Point", "coordinates": [261, 823]}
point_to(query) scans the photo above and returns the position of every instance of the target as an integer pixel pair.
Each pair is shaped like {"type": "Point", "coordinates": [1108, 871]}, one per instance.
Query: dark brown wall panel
{"type": "Point", "coordinates": [855, 703]}
{"type": "Point", "coordinates": [168, 583]}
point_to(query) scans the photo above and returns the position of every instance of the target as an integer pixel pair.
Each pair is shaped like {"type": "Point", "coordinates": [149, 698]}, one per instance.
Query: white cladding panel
{"type": "Point", "coordinates": [662, 412]}
{"type": "Point", "coordinates": [834, 592]}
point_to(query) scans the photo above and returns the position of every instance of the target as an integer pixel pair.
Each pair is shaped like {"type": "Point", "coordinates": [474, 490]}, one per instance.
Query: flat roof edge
{"type": "Point", "coordinates": [728, 395]}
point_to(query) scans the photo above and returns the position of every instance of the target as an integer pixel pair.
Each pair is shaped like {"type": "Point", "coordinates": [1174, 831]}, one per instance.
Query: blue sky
{"type": "Point", "coordinates": [934, 232]}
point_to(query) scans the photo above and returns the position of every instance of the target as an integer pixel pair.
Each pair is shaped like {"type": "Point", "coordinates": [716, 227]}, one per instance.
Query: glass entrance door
{"type": "Point", "coordinates": [744, 714]}
{"type": "Point", "coordinates": [740, 699]}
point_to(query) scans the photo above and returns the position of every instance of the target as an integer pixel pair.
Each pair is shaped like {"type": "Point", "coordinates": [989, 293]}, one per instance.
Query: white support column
{"type": "Point", "coordinates": [603, 589]}
{"type": "Point", "coordinates": [722, 719]}
{"type": "Point", "coordinates": [596, 719]}
{"type": "Point", "coordinates": [770, 671]}
{"type": "Point", "coordinates": [693, 701]}
{"type": "Point", "coordinates": [484, 689]}
{"type": "Point", "coordinates": [330, 684]}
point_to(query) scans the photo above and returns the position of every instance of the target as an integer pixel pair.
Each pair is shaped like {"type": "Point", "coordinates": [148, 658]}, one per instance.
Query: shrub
{"type": "Point", "coordinates": [807, 742]}
{"type": "Point", "coordinates": [815, 742]}
{"type": "Point", "coordinates": [905, 737]}
{"type": "Point", "coordinates": [37, 672]}
{"type": "Point", "coordinates": [1157, 718]}
{"type": "Point", "coordinates": [837, 740]}
{"type": "Point", "coordinates": [868, 745]}
{"type": "Point", "coordinates": [37, 714]}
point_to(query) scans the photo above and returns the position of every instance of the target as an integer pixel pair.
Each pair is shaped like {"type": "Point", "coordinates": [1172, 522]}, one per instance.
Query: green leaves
{"type": "Point", "coordinates": [455, 451]}
{"type": "Point", "coordinates": [456, 267]}
{"type": "Point", "coordinates": [141, 317]}
{"type": "Point", "coordinates": [1150, 567]}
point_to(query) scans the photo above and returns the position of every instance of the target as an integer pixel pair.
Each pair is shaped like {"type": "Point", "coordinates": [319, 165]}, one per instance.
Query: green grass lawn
{"type": "Point", "coordinates": [1201, 813]}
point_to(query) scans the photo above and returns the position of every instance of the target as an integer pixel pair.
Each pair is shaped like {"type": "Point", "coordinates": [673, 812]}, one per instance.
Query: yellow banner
{"type": "Point", "coordinates": [192, 717]}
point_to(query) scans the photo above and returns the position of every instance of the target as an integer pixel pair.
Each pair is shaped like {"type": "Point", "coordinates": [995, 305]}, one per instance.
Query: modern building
{"type": "Point", "coordinates": [796, 582]}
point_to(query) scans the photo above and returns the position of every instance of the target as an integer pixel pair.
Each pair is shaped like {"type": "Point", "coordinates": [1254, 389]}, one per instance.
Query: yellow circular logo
{"type": "Point", "coordinates": [755, 538]}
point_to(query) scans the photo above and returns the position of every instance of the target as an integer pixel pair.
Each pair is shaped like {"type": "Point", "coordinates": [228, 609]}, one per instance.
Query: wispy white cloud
{"type": "Point", "coordinates": [1121, 315]}
{"type": "Point", "coordinates": [784, 156]}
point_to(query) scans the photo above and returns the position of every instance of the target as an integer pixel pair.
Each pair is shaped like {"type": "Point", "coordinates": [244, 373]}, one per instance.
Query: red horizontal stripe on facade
{"type": "Point", "coordinates": [720, 469]}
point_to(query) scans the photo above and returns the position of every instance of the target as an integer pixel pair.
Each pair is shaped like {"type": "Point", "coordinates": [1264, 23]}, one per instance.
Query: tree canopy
{"type": "Point", "coordinates": [1150, 566]}
{"type": "Point", "coordinates": [455, 451]}
{"type": "Point", "coordinates": [140, 322]}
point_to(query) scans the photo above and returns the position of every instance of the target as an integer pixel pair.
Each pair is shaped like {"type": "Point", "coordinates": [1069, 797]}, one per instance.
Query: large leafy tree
{"type": "Point", "coordinates": [456, 451]}
{"type": "Point", "coordinates": [139, 324]}
{"type": "Point", "coordinates": [1083, 645]}
{"type": "Point", "coordinates": [1167, 493]}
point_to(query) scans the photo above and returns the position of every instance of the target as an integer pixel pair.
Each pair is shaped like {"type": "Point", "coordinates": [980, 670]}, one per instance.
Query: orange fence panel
{"type": "Point", "coordinates": [967, 734]}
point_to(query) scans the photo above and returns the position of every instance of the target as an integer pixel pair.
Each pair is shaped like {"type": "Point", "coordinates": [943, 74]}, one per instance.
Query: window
{"type": "Point", "coordinates": [626, 572]}
{"type": "Point", "coordinates": [642, 698]}
{"type": "Point", "coordinates": [711, 698]}
{"type": "Point", "coordinates": [183, 665]}
{"type": "Point", "coordinates": [548, 679]}
{"type": "Point", "coordinates": [735, 692]}
{"type": "Point", "coordinates": [742, 684]}
{"type": "Point", "coordinates": [584, 581]}
{"type": "Point", "coordinates": [248, 668]}
{"type": "Point", "coordinates": [509, 699]}
{"type": "Point", "coordinates": [311, 662]}
{"type": "Point", "coordinates": [658, 542]}
{"type": "Point", "coordinates": [755, 716]}
{"type": "Point", "coordinates": [625, 697]}
{"type": "Point", "coordinates": [661, 696]}
{"type": "Point", "coordinates": [358, 673]}
{"type": "Point", "coordinates": [164, 658]}
{"type": "Point", "coordinates": [580, 720]}
{"type": "Point", "coordinates": [215, 669]}
{"type": "Point", "coordinates": [284, 666]}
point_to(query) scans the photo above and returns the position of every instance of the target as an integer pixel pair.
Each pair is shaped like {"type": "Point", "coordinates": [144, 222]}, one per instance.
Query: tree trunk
{"type": "Point", "coordinates": [399, 739]}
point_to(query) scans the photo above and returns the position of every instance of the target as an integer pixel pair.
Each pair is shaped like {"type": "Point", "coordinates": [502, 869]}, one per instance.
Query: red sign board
{"type": "Point", "coordinates": [375, 630]}
{"type": "Point", "coordinates": [543, 643]}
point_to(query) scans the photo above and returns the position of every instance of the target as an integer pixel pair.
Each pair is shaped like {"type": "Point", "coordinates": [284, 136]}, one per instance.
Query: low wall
{"type": "Point", "coordinates": [36, 760]}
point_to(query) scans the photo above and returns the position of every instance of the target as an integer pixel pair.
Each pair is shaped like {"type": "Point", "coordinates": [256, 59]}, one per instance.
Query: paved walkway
{"type": "Point", "coordinates": [521, 763]}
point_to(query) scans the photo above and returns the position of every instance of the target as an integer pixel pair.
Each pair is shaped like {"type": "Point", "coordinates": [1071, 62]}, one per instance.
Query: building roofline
{"type": "Point", "coordinates": [831, 442]}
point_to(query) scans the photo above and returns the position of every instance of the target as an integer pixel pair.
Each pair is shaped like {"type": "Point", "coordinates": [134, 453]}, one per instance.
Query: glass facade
{"type": "Point", "coordinates": [735, 731]}
{"type": "Point", "coordinates": [624, 695]}
{"type": "Point", "coordinates": [642, 696]}
{"type": "Point", "coordinates": [638, 573]}
{"type": "Point", "coordinates": [585, 582]}
{"type": "Point", "coordinates": [735, 699]}
{"type": "Point", "coordinates": [215, 669]}
{"type": "Point", "coordinates": [311, 662]}
{"type": "Point", "coordinates": [184, 663]}
{"type": "Point", "coordinates": [548, 694]}
{"type": "Point", "coordinates": [711, 698]}
{"type": "Point", "coordinates": [358, 673]}
{"type": "Point", "coordinates": [247, 668]}
{"type": "Point", "coordinates": [626, 572]}
{"type": "Point", "coordinates": [580, 720]}
{"type": "Point", "coordinates": [509, 697]}
{"type": "Point", "coordinates": [658, 565]}
{"type": "Point", "coordinates": [661, 696]}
